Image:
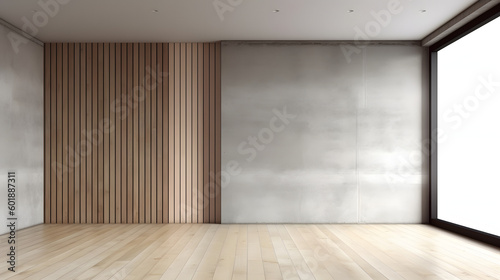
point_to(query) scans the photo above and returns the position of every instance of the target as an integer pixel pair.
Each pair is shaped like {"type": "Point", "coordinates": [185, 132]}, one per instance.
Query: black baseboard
{"type": "Point", "coordinates": [468, 232]}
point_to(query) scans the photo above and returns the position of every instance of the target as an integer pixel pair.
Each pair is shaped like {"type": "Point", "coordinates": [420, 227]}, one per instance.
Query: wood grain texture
{"type": "Point", "coordinates": [71, 132]}
{"type": "Point", "coordinates": [241, 251]}
{"type": "Point", "coordinates": [132, 132]}
{"type": "Point", "coordinates": [51, 205]}
{"type": "Point", "coordinates": [82, 146]}
{"type": "Point", "coordinates": [76, 151]}
{"type": "Point", "coordinates": [59, 134]}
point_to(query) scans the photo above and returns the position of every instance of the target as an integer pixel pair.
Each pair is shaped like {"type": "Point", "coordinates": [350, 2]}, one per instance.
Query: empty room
{"type": "Point", "coordinates": [250, 139]}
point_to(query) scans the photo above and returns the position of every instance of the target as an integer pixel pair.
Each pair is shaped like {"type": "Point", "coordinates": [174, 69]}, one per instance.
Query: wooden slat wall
{"type": "Point", "coordinates": [132, 133]}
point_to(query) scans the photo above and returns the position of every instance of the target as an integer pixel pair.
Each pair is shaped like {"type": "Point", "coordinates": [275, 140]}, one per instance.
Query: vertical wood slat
{"type": "Point", "coordinates": [206, 133]}
{"type": "Point", "coordinates": [194, 131]}
{"type": "Point", "coordinates": [104, 131]}
{"type": "Point", "coordinates": [132, 133]}
{"type": "Point", "coordinates": [84, 146]}
{"type": "Point", "coordinates": [153, 84]}
{"type": "Point", "coordinates": [112, 136]}
{"type": "Point", "coordinates": [77, 142]}
{"type": "Point", "coordinates": [93, 132]}
{"type": "Point", "coordinates": [88, 132]}
{"type": "Point", "coordinates": [177, 134]}
{"type": "Point", "coordinates": [53, 133]}
{"type": "Point", "coordinates": [188, 139]}
{"type": "Point", "coordinates": [141, 126]}
{"type": "Point", "coordinates": [70, 209]}
{"type": "Point", "coordinates": [200, 135]}
{"type": "Point", "coordinates": [212, 134]}
{"type": "Point", "coordinates": [147, 134]}
{"type": "Point", "coordinates": [64, 132]}
{"type": "Point", "coordinates": [171, 125]}
{"type": "Point", "coordinates": [136, 95]}
{"type": "Point", "coordinates": [46, 134]}
{"type": "Point", "coordinates": [182, 128]}
{"type": "Point", "coordinates": [116, 107]}
{"type": "Point", "coordinates": [217, 123]}
{"type": "Point", "coordinates": [123, 112]}
{"type": "Point", "coordinates": [160, 205]}
{"type": "Point", "coordinates": [165, 133]}
{"type": "Point", "coordinates": [59, 141]}
{"type": "Point", "coordinates": [101, 145]}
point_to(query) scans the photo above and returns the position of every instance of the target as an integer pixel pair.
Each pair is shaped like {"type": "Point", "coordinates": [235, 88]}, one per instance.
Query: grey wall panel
{"type": "Point", "coordinates": [21, 123]}
{"type": "Point", "coordinates": [337, 159]}
{"type": "Point", "coordinates": [391, 182]}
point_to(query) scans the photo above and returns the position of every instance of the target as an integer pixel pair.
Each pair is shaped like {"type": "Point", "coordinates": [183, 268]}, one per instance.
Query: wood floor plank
{"type": "Point", "coordinates": [271, 266]}
{"type": "Point", "coordinates": [372, 260]}
{"type": "Point", "coordinates": [255, 264]}
{"type": "Point", "coordinates": [194, 260]}
{"type": "Point", "coordinates": [168, 259]}
{"type": "Point", "coordinates": [86, 252]}
{"type": "Point", "coordinates": [55, 254]}
{"type": "Point", "coordinates": [121, 240]}
{"type": "Point", "coordinates": [225, 263]}
{"type": "Point", "coordinates": [106, 264]}
{"type": "Point", "coordinates": [207, 266]}
{"type": "Point", "coordinates": [308, 264]}
{"type": "Point", "coordinates": [255, 251]}
{"type": "Point", "coordinates": [103, 261]}
{"type": "Point", "coordinates": [152, 243]}
{"type": "Point", "coordinates": [240, 268]}
{"type": "Point", "coordinates": [287, 268]}
{"type": "Point", "coordinates": [326, 249]}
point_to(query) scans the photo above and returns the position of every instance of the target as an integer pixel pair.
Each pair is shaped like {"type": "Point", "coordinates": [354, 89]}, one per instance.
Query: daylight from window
{"type": "Point", "coordinates": [469, 130]}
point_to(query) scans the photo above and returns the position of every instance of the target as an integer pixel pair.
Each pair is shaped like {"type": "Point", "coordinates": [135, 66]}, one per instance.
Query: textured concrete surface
{"type": "Point", "coordinates": [21, 125]}
{"type": "Point", "coordinates": [318, 138]}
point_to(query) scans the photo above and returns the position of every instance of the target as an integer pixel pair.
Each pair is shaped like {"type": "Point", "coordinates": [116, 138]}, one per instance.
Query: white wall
{"type": "Point", "coordinates": [351, 154]}
{"type": "Point", "coordinates": [21, 129]}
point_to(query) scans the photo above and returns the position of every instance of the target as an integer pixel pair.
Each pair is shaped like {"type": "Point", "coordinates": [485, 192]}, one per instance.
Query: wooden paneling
{"type": "Point", "coordinates": [132, 133]}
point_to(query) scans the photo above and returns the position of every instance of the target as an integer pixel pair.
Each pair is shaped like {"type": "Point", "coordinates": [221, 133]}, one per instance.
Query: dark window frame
{"type": "Point", "coordinates": [476, 23]}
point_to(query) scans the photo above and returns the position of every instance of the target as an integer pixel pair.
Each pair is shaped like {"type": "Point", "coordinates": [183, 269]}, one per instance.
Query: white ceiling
{"type": "Point", "coordinates": [197, 20]}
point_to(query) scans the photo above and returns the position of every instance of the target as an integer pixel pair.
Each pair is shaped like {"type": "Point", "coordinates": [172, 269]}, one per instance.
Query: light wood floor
{"type": "Point", "coordinates": [195, 251]}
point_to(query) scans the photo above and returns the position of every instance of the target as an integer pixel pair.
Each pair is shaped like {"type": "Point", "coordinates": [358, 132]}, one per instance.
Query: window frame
{"type": "Point", "coordinates": [476, 23]}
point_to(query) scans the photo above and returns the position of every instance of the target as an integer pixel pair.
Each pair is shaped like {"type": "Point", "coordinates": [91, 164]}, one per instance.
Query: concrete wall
{"type": "Point", "coordinates": [311, 135]}
{"type": "Point", "coordinates": [21, 126]}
